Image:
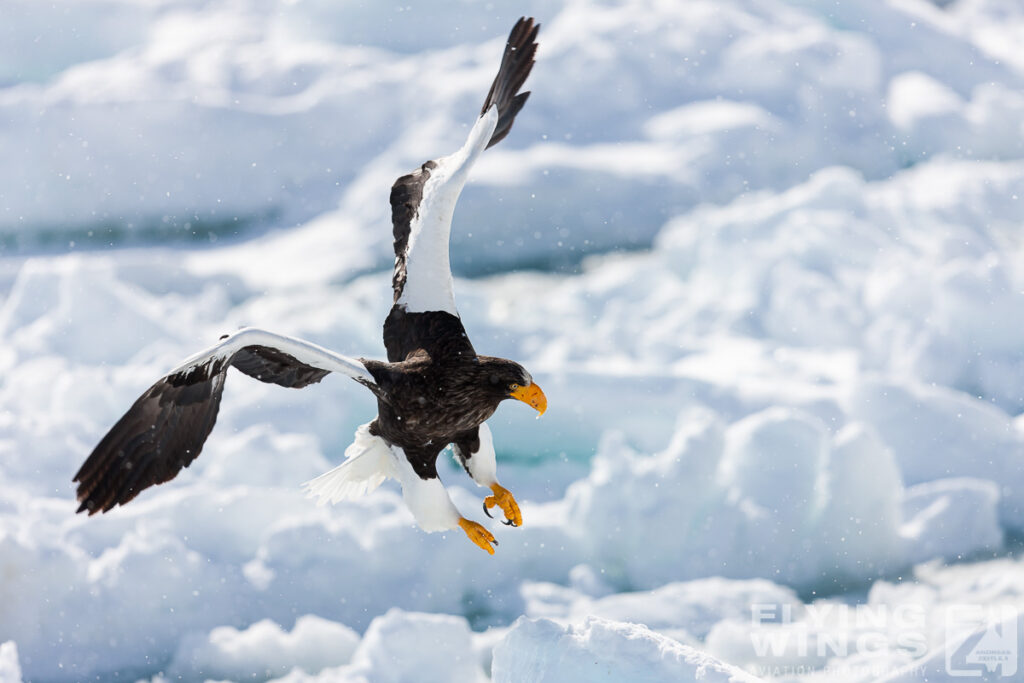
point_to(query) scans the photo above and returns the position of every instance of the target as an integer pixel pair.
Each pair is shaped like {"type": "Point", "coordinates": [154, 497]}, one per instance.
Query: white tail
{"type": "Point", "coordinates": [368, 462]}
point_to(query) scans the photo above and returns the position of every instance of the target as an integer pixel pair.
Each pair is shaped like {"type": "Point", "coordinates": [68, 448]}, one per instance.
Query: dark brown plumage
{"type": "Point", "coordinates": [427, 403]}
{"type": "Point", "coordinates": [516, 64]}
{"type": "Point", "coordinates": [406, 195]}
{"type": "Point", "coordinates": [165, 429]}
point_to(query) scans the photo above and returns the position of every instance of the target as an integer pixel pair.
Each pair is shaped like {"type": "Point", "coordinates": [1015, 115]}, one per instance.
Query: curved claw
{"type": "Point", "coordinates": [507, 502]}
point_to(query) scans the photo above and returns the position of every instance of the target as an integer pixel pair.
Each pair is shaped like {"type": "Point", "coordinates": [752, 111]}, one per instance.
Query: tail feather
{"type": "Point", "coordinates": [368, 462]}
{"type": "Point", "coordinates": [516, 64]}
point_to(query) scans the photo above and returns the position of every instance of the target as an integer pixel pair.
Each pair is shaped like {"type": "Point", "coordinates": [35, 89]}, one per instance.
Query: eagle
{"type": "Point", "coordinates": [433, 390]}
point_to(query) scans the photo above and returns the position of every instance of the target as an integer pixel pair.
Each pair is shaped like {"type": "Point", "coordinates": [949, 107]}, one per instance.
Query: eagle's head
{"type": "Point", "coordinates": [503, 378]}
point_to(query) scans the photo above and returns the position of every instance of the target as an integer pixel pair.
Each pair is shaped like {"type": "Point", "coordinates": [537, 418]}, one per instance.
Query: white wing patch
{"type": "Point", "coordinates": [428, 284]}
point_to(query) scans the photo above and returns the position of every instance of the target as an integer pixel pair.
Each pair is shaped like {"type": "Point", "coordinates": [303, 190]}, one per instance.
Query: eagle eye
{"type": "Point", "coordinates": [513, 386]}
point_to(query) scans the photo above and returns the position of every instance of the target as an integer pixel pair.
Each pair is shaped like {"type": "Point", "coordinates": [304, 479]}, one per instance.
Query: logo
{"type": "Point", "coordinates": [834, 640]}
{"type": "Point", "coordinates": [983, 641]}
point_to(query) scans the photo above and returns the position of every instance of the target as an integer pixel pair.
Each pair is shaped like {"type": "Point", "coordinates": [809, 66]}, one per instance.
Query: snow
{"type": "Point", "coordinates": [965, 508]}
{"type": "Point", "coordinates": [772, 495]}
{"type": "Point", "coordinates": [902, 631]}
{"type": "Point", "coordinates": [423, 647]}
{"type": "Point", "coordinates": [699, 604]}
{"type": "Point", "coordinates": [10, 671]}
{"type": "Point", "coordinates": [263, 649]}
{"type": "Point", "coordinates": [406, 646]}
{"type": "Point", "coordinates": [764, 258]}
{"type": "Point", "coordinates": [206, 92]}
{"type": "Point", "coordinates": [600, 650]}
{"type": "Point", "coordinates": [937, 665]}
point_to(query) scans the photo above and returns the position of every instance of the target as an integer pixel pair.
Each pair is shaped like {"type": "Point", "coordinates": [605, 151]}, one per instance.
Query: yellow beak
{"type": "Point", "coordinates": [532, 396]}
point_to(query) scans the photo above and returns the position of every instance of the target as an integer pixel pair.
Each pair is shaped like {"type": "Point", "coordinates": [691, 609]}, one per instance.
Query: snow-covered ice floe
{"type": "Point", "coordinates": [785, 437]}
{"type": "Point", "coordinates": [600, 650]}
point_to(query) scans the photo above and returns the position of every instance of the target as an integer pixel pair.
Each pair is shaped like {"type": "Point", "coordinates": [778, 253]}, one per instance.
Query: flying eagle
{"type": "Point", "coordinates": [434, 390]}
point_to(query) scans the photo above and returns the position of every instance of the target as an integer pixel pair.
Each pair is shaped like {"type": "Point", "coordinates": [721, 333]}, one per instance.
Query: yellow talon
{"type": "Point", "coordinates": [505, 500]}
{"type": "Point", "coordinates": [478, 534]}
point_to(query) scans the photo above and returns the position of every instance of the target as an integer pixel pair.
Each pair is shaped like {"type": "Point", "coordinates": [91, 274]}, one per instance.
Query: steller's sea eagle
{"type": "Point", "coordinates": [434, 390]}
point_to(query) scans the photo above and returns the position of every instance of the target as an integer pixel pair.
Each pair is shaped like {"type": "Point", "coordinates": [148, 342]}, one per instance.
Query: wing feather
{"type": "Point", "coordinates": [165, 429]}
{"type": "Point", "coordinates": [423, 202]}
{"type": "Point", "coordinates": [516, 64]}
{"type": "Point", "coordinates": [270, 365]}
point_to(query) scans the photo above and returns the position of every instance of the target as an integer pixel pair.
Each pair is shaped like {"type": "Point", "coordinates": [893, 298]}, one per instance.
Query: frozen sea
{"type": "Point", "coordinates": [766, 259]}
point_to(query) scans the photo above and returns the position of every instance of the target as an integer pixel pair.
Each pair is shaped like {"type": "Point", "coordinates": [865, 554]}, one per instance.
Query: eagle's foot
{"type": "Point", "coordinates": [504, 499]}
{"type": "Point", "coordinates": [478, 534]}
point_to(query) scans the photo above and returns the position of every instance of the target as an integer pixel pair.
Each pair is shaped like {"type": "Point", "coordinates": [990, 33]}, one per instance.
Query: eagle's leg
{"type": "Point", "coordinates": [475, 451]}
{"type": "Point", "coordinates": [427, 499]}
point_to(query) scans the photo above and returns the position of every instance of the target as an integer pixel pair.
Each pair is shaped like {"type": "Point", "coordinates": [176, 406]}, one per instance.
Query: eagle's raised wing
{"type": "Point", "coordinates": [422, 202]}
{"type": "Point", "coordinates": [166, 427]}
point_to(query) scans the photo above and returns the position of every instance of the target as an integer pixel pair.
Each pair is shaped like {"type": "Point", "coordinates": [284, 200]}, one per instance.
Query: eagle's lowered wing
{"type": "Point", "coordinates": [165, 429]}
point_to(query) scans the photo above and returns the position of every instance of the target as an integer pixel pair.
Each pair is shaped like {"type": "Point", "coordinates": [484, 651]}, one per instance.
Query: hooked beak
{"type": "Point", "coordinates": [532, 396]}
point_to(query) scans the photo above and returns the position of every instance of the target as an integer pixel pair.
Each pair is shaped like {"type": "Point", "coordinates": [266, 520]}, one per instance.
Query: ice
{"type": "Point", "coordinates": [948, 664]}
{"type": "Point", "coordinates": [263, 650]}
{"type": "Point", "coordinates": [950, 424]}
{"type": "Point", "coordinates": [914, 98]}
{"type": "Point", "coordinates": [935, 511]}
{"type": "Point", "coordinates": [800, 391]}
{"type": "Point", "coordinates": [10, 671]}
{"type": "Point", "coordinates": [186, 103]}
{"type": "Point", "coordinates": [601, 650]}
{"type": "Point", "coordinates": [903, 631]}
{"type": "Point", "coordinates": [426, 647]}
{"type": "Point", "coordinates": [407, 646]}
{"type": "Point", "coordinates": [763, 489]}
{"type": "Point", "coordinates": [694, 605]}
{"type": "Point", "coordinates": [866, 495]}
{"type": "Point", "coordinates": [53, 307]}
{"type": "Point", "coordinates": [772, 495]}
